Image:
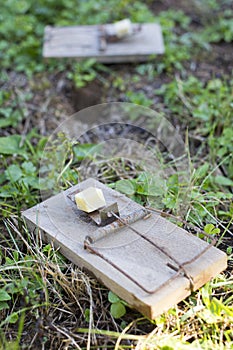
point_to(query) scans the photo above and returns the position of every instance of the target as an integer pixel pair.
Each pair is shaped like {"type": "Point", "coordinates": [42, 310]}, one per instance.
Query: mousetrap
{"type": "Point", "coordinates": [142, 257]}
{"type": "Point", "coordinates": [101, 43]}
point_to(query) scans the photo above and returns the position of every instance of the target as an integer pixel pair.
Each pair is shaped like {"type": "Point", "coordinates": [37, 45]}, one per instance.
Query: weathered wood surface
{"type": "Point", "coordinates": [83, 42]}
{"type": "Point", "coordinates": [61, 223]}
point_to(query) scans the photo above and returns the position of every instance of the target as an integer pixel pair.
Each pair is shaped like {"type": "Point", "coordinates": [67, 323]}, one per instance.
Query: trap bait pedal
{"type": "Point", "coordinates": [145, 259]}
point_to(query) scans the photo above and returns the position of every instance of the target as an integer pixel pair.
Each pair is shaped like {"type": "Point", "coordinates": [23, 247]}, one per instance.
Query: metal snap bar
{"type": "Point", "coordinates": [180, 268]}
{"type": "Point", "coordinates": [120, 221]}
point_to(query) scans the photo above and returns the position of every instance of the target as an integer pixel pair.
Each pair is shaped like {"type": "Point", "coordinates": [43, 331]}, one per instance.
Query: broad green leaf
{"type": "Point", "coordinates": [153, 188]}
{"type": "Point", "coordinates": [13, 318]}
{"type": "Point", "coordinates": [3, 305]}
{"type": "Point", "coordinates": [13, 173]}
{"type": "Point", "coordinates": [4, 295]}
{"type": "Point", "coordinates": [126, 187]}
{"type": "Point", "coordinates": [6, 112]}
{"type": "Point", "coordinates": [157, 188]}
{"type": "Point", "coordinates": [222, 180]}
{"type": "Point", "coordinates": [118, 310]}
{"type": "Point", "coordinates": [31, 181]}
{"type": "Point", "coordinates": [22, 6]}
{"type": "Point", "coordinates": [12, 288]}
{"type": "Point", "coordinates": [113, 298]}
{"type": "Point", "coordinates": [211, 229]}
{"type": "Point", "coordinates": [11, 145]}
{"type": "Point", "coordinates": [28, 167]}
{"type": "Point", "coordinates": [4, 122]}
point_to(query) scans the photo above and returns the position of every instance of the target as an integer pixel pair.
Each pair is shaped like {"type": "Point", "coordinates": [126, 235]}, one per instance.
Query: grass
{"type": "Point", "coordinates": [45, 301]}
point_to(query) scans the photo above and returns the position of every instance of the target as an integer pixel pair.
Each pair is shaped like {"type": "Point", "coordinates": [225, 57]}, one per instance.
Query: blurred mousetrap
{"type": "Point", "coordinates": [138, 254]}
{"type": "Point", "coordinates": [122, 41]}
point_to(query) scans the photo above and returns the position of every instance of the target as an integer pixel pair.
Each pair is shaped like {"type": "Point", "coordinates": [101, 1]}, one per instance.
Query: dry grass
{"type": "Point", "coordinates": [62, 307]}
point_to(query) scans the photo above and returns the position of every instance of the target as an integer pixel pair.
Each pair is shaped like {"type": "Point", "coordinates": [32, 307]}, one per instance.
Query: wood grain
{"type": "Point", "coordinates": [83, 42]}
{"type": "Point", "coordinates": [63, 224]}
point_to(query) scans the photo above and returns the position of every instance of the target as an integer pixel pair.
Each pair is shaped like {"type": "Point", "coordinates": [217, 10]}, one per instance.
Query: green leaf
{"type": "Point", "coordinates": [11, 345]}
{"type": "Point", "coordinates": [3, 305]}
{"type": "Point", "coordinates": [13, 318]}
{"type": "Point", "coordinates": [5, 122]}
{"type": "Point", "coordinates": [13, 173]}
{"type": "Point", "coordinates": [205, 293]}
{"type": "Point", "coordinates": [12, 288]}
{"type": "Point", "coordinates": [6, 112]}
{"type": "Point", "coordinates": [202, 171]}
{"type": "Point", "coordinates": [87, 315]}
{"type": "Point", "coordinates": [211, 230]}
{"type": "Point", "coordinates": [11, 145]}
{"type": "Point", "coordinates": [222, 180]}
{"type": "Point", "coordinates": [216, 307]}
{"type": "Point", "coordinates": [28, 167]}
{"type": "Point", "coordinates": [214, 84]}
{"type": "Point", "coordinates": [150, 185]}
{"type": "Point", "coordinates": [118, 310]}
{"type": "Point", "coordinates": [157, 188]}
{"type": "Point", "coordinates": [113, 298]}
{"type": "Point", "coordinates": [4, 295]}
{"type": "Point", "coordinates": [126, 187]}
{"type": "Point", "coordinates": [83, 151]}
{"type": "Point", "coordinates": [47, 248]}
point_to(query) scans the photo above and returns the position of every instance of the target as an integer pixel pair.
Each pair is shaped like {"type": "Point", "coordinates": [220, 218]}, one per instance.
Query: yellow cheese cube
{"type": "Point", "coordinates": [123, 28]}
{"type": "Point", "coordinates": [90, 199]}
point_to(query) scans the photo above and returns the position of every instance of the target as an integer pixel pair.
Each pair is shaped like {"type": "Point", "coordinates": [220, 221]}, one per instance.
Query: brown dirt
{"type": "Point", "coordinates": [55, 99]}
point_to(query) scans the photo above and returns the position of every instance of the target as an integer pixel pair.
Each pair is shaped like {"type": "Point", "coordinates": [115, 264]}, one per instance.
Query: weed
{"type": "Point", "coordinates": [19, 182]}
{"type": "Point", "coordinates": [204, 105]}
{"type": "Point", "coordinates": [46, 302]}
{"type": "Point", "coordinates": [117, 309]}
{"type": "Point", "coordinates": [139, 98]}
{"type": "Point", "coordinates": [220, 30]}
{"type": "Point", "coordinates": [23, 23]}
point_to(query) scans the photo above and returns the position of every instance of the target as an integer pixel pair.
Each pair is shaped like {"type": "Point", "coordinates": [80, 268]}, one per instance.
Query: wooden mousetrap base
{"type": "Point", "coordinates": [83, 42]}
{"type": "Point", "coordinates": [148, 261]}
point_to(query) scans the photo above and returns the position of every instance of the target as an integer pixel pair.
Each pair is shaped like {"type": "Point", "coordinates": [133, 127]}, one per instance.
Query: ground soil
{"type": "Point", "coordinates": [56, 98]}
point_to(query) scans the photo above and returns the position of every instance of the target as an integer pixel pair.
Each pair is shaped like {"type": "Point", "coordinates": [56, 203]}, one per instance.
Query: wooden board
{"type": "Point", "coordinates": [63, 224]}
{"type": "Point", "coordinates": [83, 42]}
